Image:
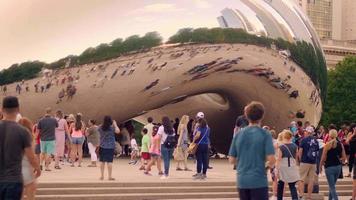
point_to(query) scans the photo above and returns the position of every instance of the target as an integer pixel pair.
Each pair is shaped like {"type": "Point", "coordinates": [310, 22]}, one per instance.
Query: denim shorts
{"type": "Point", "coordinates": [77, 140]}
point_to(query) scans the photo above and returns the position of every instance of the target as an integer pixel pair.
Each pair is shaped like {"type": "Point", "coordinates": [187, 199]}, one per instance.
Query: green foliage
{"type": "Point", "coordinates": [19, 72]}
{"type": "Point", "coordinates": [340, 104]}
{"type": "Point", "coordinates": [102, 52]}
{"type": "Point", "coordinates": [304, 54]}
{"type": "Point", "coordinates": [138, 128]}
{"type": "Point", "coordinates": [119, 47]}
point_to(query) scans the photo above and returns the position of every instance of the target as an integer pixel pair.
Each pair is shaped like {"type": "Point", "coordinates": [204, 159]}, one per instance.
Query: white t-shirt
{"type": "Point", "coordinates": [149, 128]}
{"type": "Point", "coordinates": [134, 144]}
{"type": "Point", "coordinates": [162, 134]}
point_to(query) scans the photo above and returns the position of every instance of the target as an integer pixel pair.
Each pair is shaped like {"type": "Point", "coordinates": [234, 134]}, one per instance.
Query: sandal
{"type": "Point", "coordinates": [48, 170]}
{"type": "Point", "coordinates": [187, 170]}
{"type": "Point", "coordinates": [179, 169]}
{"type": "Point", "coordinates": [57, 167]}
{"type": "Point", "coordinates": [111, 179]}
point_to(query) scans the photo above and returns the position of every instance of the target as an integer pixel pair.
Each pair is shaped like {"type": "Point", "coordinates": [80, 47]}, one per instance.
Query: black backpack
{"type": "Point", "coordinates": [171, 141]}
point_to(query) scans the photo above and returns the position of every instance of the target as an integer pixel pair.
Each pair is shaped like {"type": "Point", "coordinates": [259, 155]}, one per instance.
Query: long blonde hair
{"type": "Point", "coordinates": [333, 142]}
{"type": "Point", "coordinates": [183, 123]}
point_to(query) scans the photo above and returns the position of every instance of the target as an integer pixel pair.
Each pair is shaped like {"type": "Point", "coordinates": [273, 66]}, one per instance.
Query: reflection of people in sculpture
{"type": "Point", "coordinates": [294, 94]}
{"type": "Point", "coordinates": [61, 95]}
{"type": "Point", "coordinates": [300, 114]}
{"type": "Point", "coordinates": [151, 85]}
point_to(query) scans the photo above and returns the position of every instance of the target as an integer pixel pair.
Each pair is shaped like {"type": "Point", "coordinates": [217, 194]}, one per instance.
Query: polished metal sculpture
{"type": "Point", "coordinates": [278, 62]}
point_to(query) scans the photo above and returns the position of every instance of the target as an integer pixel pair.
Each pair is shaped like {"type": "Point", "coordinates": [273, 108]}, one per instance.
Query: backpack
{"type": "Point", "coordinates": [313, 151]}
{"type": "Point", "coordinates": [170, 142]}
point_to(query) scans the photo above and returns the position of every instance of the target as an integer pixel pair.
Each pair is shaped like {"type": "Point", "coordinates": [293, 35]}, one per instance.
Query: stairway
{"type": "Point", "coordinates": [158, 190]}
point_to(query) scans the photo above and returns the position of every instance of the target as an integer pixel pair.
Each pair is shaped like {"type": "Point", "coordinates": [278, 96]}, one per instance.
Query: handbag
{"type": "Point", "coordinates": [192, 149]}
{"type": "Point", "coordinates": [178, 154]}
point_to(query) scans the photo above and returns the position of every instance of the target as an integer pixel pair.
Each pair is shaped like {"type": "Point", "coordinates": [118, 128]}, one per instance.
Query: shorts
{"type": "Point", "coordinates": [106, 155]}
{"type": "Point", "coordinates": [48, 147]}
{"type": "Point", "coordinates": [154, 155]}
{"type": "Point", "coordinates": [11, 190]}
{"type": "Point", "coordinates": [27, 172]}
{"type": "Point", "coordinates": [38, 149]}
{"type": "Point", "coordinates": [77, 140]}
{"type": "Point", "coordinates": [145, 155]}
{"type": "Point", "coordinates": [307, 172]}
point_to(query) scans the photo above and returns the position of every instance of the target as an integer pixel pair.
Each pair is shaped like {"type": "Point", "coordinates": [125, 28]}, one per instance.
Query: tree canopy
{"type": "Point", "coordinates": [18, 72]}
{"type": "Point", "coordinates": [340, 106]}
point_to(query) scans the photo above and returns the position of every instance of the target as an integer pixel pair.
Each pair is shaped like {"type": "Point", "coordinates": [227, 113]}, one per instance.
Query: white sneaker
{"type": "Point", "coordinates": [164, 177]}
{"type": "Point", "coordinates": [273, 198]}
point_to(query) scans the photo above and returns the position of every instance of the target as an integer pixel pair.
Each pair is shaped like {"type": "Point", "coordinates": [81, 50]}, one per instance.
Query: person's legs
{"type": "Point", "coordinates": [159, 165]}
{"type": "Point", "coordinates": [102, 169]}
{"type": "Point", "coordinates": [205, 158]}
{"type": "Point", "coordinates": [332, 174]}
{"type": "Point", "coordinates": [351, 162]}
{"type": "Point", "coordinates": [80, 153]}
{"type": "Point", "coordinates": [293, 191]}
{"type": "Point", "coordinates": [73, 153]}
{"type": "Point", "coordinates": [93, 156]}
{"type": "Point", "coordinates": [199, 157]}
{"type": "Point", "coordinates": [30, 191]}
{"type": "Point", "coordinates": [165, 157]}
{"type": "Point", "coordinates": [244, 194]}
{"type": "Point", "coordinates": [110, 170]}
{"type": "Point", "coordinates": [11, 190]}
{"type": "Point", "coordinates": [311, 177]}
{"type": "Point", "coordinates": [280, 190]}
{"type": "Point", "coordinates": [259, 194]}
{"type": "Point", "coordinates": [185, 153]}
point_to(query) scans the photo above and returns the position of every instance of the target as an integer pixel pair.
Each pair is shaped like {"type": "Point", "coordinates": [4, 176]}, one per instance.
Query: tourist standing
{"type": "Point", "coordinates": [47, 128]}
{"type": "Point", "coordinates": [15, 142]}
{"type": "Point", "coordinates": [149, 126]}
{"type": "Point", "coordinates": [107, 133]}
{"type": "Point", "coordinates": [332, 158]}
{"type": "Point", "coordinates": [201, 138]}
{"type": "Point", "coordinates": [351, 141]}
{"type": "Point", "coordinates": [288, 171]}
{"type": "Point", "coordinates": [308, 154]}
{"type": "Point", "coordinates": [145, 145]}
{"type": "Point", "coordinates": [77, 136]}
{"type": "Point", "coordinates": [29, 180]}
{"type": "Point", "coordinates": [183, 142]}
{"type": "Point", "coordinates": [60, 132]}
{"type": "Point", "coordinates": [250, 150]}
{"type": "Point", "coordinates": [168, 143]}
{"type": "Point", "coordinates": [155, 152]}
{"type": "Point", "coordinates": [93, 139]}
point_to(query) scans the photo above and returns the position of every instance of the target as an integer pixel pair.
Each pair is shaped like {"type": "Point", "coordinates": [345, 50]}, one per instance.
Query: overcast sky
{"type": "Point", "coordinates": [47, 30]}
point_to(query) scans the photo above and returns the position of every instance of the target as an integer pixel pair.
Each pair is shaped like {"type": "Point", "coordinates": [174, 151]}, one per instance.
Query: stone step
{"type": "Point", "coordinates": [145, 196]}
{"type": "Point", "coordinates": [153, 184]}
{"type": "Point", "coordinates": [165, 189]}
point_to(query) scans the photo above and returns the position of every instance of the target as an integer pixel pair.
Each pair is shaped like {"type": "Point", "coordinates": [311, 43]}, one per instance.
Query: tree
{"type": "Point", "coordinates": [340, 104]}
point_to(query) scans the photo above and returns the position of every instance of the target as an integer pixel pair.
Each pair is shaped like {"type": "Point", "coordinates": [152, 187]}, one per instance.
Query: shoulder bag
{"type": "Point", "coordinates": [192, 149]}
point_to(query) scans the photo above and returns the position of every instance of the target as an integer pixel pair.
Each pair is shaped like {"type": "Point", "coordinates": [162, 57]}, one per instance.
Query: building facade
{"type": "Point", "coordinates": [344, 20]}
{"type": "Point", "coordinates": [320, 13]}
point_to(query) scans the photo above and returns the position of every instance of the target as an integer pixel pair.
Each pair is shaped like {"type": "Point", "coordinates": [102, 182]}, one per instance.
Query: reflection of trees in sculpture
{"type": "Point", "coordinates": [303, 53]}
{"type": "Point", "coordinates": [340, 104]}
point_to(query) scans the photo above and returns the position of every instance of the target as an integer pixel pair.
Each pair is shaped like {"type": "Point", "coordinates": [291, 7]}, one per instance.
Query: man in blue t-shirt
{"type": "Point", "coordinates": [308, 154]}
{"type": "Point", "coordinates": [250, 149]}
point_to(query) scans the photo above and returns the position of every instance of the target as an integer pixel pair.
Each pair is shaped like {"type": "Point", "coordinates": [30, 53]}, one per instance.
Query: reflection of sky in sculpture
{"type": "Point", "coordinates": [49, 30]}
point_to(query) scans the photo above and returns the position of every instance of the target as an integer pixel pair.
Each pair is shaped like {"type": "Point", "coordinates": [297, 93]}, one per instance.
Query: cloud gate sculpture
{"type": "Point", "coordinates": [264, 50]}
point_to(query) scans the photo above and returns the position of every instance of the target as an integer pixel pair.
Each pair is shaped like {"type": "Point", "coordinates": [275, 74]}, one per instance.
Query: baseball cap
{"type": "Point", "coordinates": [200, 115]}
{"type": "Point", "coordinates": [10, 102]}
{"type": "Point", "coordinates": [309, 129]}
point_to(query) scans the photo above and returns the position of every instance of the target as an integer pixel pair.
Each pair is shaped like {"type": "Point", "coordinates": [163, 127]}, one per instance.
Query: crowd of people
{"type": "Point", "coordinates": [28, 148]}
{"type": "Point", "coordinates": [296, 156]}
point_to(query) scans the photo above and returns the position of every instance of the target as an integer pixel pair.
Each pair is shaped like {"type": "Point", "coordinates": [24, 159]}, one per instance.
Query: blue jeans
{"type": "Point", "coordinates": [11, 191]}
{"type": "Point", "coordinates": [332, 174]}
{"type": "Point", "coordinates": [202, 156]}
{"type": "Point", "coordinates": [166, 156]}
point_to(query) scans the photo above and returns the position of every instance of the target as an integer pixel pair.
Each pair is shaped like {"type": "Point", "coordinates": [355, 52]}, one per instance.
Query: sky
{"type": "Point", "coordinates": [48, 30]}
